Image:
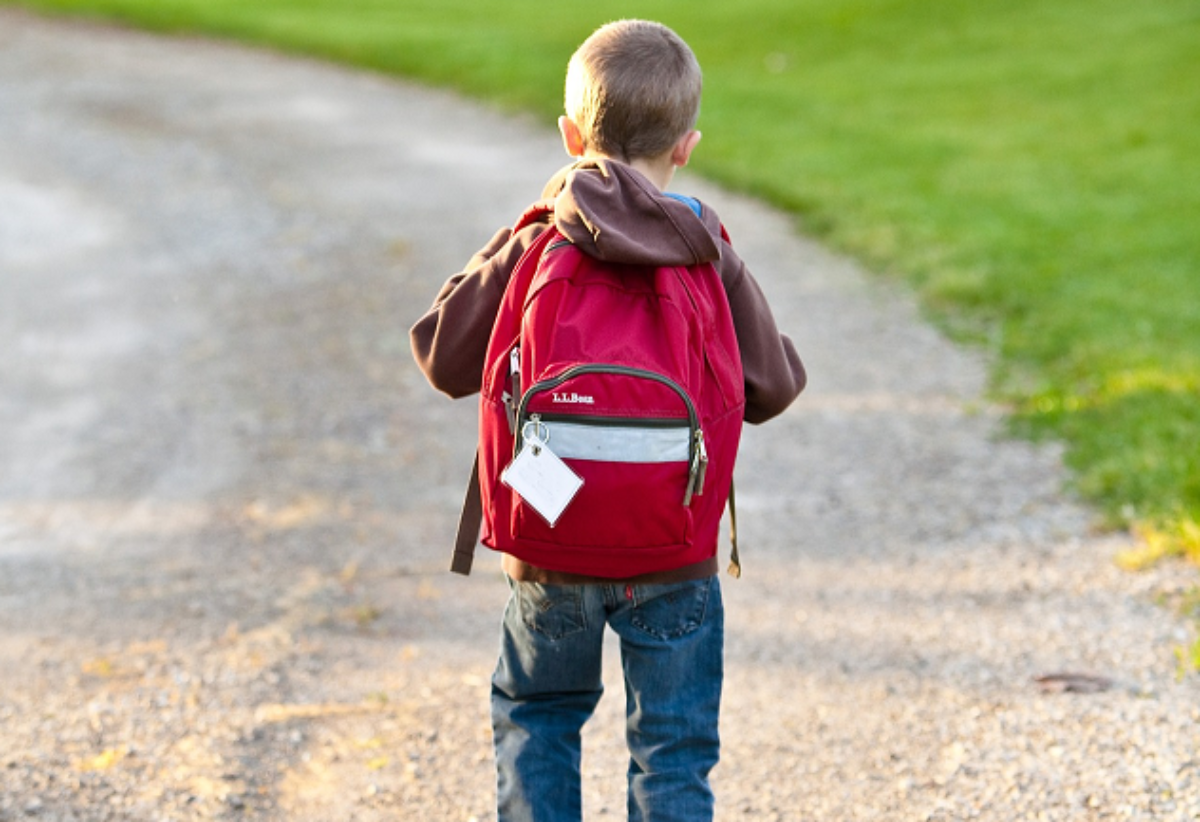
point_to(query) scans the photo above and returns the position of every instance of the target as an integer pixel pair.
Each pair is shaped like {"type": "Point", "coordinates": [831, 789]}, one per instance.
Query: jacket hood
{"type": "Point", "coordinates": [611, 212]}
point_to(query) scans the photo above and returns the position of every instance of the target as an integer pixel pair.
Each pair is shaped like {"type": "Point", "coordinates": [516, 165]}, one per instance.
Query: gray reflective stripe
{"type": "Point", "coordinates": [618, 443]}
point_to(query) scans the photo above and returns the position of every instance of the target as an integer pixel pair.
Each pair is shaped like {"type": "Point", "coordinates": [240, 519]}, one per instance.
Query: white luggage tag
{"type": "Point", "coordinates": [543, 481]}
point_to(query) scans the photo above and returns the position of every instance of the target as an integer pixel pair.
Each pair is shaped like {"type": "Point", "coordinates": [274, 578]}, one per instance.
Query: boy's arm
{"type": "Point", "coordinates": [771, 367]}
{"type": "Point", "coordinates": [450, 341]}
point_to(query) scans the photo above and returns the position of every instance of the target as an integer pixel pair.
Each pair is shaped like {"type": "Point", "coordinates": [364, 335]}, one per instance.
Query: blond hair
{"type": "Point", "coordinates": [633, 89]}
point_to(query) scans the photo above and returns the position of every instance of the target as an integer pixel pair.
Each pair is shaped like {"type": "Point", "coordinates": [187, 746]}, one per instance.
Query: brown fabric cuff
{"type": "Point", "coordinates": [521, 571]}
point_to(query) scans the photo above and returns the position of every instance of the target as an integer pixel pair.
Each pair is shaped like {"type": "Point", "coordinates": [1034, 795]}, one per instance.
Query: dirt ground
{"type": "Point", "coordinates": [227, 496]}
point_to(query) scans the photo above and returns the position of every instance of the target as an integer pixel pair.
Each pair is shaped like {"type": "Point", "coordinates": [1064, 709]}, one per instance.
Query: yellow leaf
{"type": "Point", "coordinates": [102, 667]}
{"type": "Point", "coordinates": [103, 761]}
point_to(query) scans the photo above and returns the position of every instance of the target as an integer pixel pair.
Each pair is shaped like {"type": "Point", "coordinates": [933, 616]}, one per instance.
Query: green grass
{"type": "Point", "coordinates": [1031, 168]}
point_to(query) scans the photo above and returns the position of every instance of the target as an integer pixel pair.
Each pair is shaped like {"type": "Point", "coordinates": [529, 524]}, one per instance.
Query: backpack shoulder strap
{"type": "Point", "coordinates": [540, 212]}
{"type": "Point", "coordinates": [735, 561]}
{"type": "Point", "coordinates": [469, 522]}
{"type": "Point", "coordinates": [471, 517]}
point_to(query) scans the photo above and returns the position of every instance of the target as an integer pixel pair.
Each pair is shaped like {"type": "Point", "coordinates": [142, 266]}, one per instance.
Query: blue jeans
{"type": "Point", "coordinates": [548, 682]}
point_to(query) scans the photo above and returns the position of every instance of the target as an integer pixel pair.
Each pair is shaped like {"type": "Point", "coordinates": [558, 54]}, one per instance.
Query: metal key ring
{"type": "Point", "coordinates": [540, 435]}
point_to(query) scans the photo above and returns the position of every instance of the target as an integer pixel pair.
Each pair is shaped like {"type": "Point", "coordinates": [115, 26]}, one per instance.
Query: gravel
{"type": "Point", "coordinates": [227, 496]}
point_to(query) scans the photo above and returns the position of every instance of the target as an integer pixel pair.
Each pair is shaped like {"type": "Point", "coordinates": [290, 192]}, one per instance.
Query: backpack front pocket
{"type": "Point", "coordinates": [638, 472]}
{"type": "Point", "coordinates": [634, 476]}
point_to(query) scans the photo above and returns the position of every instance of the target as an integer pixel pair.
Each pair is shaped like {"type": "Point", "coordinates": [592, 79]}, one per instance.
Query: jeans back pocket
{"type": "Point", "coordinates": [671, 610]}
{"type": "Point", "coordinates": [554, 611]}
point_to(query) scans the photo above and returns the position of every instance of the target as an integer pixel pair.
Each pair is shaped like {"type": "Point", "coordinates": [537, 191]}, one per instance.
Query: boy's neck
{"type": "Point", "coordinates": [659, 171]}
{"type": "Point", "coordinates": [656, 171]}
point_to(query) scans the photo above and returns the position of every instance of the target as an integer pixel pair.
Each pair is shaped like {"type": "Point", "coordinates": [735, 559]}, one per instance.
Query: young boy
{"type": "Point", "coordinates": [632, 100]}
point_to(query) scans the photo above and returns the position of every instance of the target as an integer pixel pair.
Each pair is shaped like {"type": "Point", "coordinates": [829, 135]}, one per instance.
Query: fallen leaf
{"type": "Point", "coordinates": [103, 761]}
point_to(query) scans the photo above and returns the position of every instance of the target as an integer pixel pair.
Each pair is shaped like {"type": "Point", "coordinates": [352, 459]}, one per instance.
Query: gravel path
{"type": "Point", "coordinates": [226, 495]}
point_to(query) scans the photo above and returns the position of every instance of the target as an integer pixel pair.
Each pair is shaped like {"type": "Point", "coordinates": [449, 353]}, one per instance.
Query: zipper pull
{"type": "Point", "coordinates": [514, 374]}
{"type": "Point", "coordinates": [513, 396]}
{"type": "Point", "coordinates": [534, 440]}
{"type": "Point", "coordinates": [699, 467]}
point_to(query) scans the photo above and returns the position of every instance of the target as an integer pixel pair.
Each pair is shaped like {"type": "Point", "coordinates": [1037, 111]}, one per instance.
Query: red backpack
{"type": "Point", "coordinates": [610, 414]}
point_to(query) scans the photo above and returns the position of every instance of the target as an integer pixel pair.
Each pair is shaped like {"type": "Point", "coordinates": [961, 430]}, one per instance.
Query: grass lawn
{"type": "Point", "coordinates": [1031, 168]}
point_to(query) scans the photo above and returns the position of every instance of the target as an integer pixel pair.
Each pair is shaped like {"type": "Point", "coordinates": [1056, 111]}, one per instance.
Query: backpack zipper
{"type": "Point", "coordinates": [697, 452]}
{"type": "Point", "coordinates": [614, 422]}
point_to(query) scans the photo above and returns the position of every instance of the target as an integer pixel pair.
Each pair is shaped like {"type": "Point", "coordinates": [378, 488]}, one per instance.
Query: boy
{"type": "Point", "coordinates": [632, 100]}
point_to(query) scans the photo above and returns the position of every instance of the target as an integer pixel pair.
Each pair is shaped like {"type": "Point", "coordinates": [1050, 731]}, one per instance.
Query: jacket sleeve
{"type": "Point", "coordinates": [772, 369]}
{"type": "Point", "coordinates": [450, 341]}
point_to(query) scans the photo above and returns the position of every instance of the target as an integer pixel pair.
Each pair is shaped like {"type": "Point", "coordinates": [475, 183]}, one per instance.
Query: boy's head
{"type": "Point", "coordinates": [633, 91]}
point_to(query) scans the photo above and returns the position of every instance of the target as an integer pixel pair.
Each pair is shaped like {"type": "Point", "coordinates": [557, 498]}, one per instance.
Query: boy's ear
{"type": "Point", "coordinates": [682, 152]}
{"type": "Point", "coordinates": [572, 137]}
